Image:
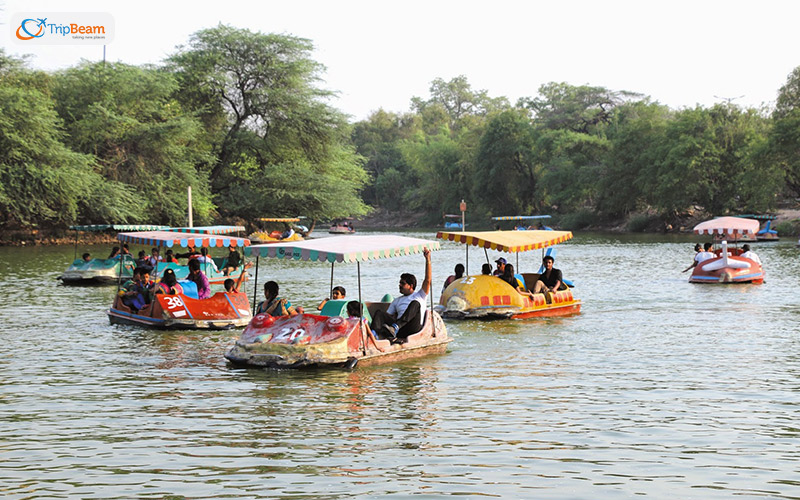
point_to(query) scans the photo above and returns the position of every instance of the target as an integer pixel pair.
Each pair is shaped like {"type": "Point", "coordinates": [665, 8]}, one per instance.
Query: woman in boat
{"type": "Point", "coordinates": [274, 305]}
{"type": "Point", "coordinates": [169, 257]}
{"type": "Point", "coordinates": [169, 284]}
{"type": "Point", "coordinates": [510, 278]}
{"type": "Point", "coordinates": [338, 293]}
{"type": "Point", "coordinates": [459, 272]}
{"type": "Point", "coordinates": [114, 253]}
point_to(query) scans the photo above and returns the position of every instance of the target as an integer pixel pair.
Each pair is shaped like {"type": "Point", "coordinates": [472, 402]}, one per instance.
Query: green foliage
{"type": "Point", "coordinates": [788, 228]}
{"type": "Point", "coordinates": [41, 181]}
{"type": "Point", "coordinates": [641, 222]}
{"type": "Point", "coordinates": [141, 138]}
{"type": "Point", "coordinates": [578, 220]}
{"type": "Point", "coordinates": [282, 149]}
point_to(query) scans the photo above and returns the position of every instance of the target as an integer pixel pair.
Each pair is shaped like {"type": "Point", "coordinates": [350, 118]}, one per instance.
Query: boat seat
{"type": "Point", "coordinates": [339, 308]}
{"type": "Point", "coordinates": [373, 307]}
{"type": "Point", "coordinates": [189, 288]}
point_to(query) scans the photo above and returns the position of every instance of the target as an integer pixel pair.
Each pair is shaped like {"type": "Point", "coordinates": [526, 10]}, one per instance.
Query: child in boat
{"type": "Point", "coordinates": [233, 286]}
{"type": "Point", "coordinates": [275, 305]}
{"type": "Point", "coordinates": [136, 292]}
{"type": "Point", "coordinates": [338, 293]}
{"type": "Point", "coordinates": [354, 312]}
{"type": "Point", "coordinates": [86, 257]}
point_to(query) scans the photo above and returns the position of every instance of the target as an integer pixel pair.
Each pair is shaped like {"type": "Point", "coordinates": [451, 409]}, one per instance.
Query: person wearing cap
{"type": "Point", "coordinates": [749, 254]}
{"type": "Point", "coordinates": [501, 266]}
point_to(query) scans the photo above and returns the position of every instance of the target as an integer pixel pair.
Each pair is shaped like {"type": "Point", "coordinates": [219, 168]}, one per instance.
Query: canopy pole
{"type": "Point", "coordinates": [486, 253]}
{"type": "Point", "coordinates": [517, 266]}
{"type": "Point", "coordinates": [255, 287]}
{"type": "Point", "coordinates": [358, 265]}
{"type": "Point", "coordinates": [466, 258]}
{"type": "Point", "coordinates": [330, 290]}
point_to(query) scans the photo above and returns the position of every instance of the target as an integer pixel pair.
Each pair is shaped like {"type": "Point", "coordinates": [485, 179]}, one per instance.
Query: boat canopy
{"type": "Point", "coordinates": [759, 216]}
{"type": "Point", "coordinates": [208, 229]}
{"type": "Point", "coordinates": [119, 227]}
{"type": "Point", "coordinates": [279, 219]}
{"type": "Point", "coordinates": [349, 248]}
{"type": "Point", "coordinates": [171, 239]}
{"type": "Point", "coordinates": [733, 226]}
{"type": "Point", "coordinates": [521, 217]}
{"type": "Point", "coordinates": [508, 241]}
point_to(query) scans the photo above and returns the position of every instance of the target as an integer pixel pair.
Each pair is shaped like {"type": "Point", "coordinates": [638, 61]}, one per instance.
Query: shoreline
{"type": "Point", "coordinates": [384, 220]}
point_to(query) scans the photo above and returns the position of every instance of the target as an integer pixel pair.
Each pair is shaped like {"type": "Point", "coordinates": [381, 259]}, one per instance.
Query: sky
{"type": "Point", "coordinates": [379, 54]}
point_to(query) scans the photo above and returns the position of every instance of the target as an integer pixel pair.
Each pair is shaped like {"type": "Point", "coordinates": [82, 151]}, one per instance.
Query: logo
{"type": "Point", "coordinates": [62, 28]}
{"type": "Point", "coordinates": [38, 23]}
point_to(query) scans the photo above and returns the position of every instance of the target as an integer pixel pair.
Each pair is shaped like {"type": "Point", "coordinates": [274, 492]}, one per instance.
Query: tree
{"type": "Point", "coordinates": [277, 125]}
{"type": "Point", "coordinates": [508, 169]}
{"type": "Point", "coordinates": [457, 100]}
{"type": "Point", "coordinates": [783, 148]}
{"type": "Point", "coordinates": [580, 109]}
{"type": "Point", "coordinates": [42, 182]}
{"type": "Point", "coordinates": [126, 117]}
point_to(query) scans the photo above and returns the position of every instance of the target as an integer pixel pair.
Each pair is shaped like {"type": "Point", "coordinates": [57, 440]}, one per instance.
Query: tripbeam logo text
{"type": "Point", "coordinates": [63, 28]}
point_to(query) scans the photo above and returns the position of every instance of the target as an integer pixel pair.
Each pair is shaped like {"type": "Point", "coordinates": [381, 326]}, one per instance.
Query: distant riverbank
{"type": "Point", "coordinates": [787, 224]}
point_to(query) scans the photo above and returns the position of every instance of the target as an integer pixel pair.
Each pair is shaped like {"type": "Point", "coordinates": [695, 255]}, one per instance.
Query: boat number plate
{"type": "Point", "coordinates": [290, 334]}
{"type": "Point", "coordinates": [173, 302]}
{"type": "Point", "coordinates": [468, 280]}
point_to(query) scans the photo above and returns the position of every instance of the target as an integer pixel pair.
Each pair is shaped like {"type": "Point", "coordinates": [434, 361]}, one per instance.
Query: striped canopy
{"type": "Point", "coordinates": [119, 227]}
{"type": "Point", "coordinates": [759, 216]}
{"type": "Point", "coordinates": [279, 219]}
{"type": "Point", "coordinates": [208, 229]}
{"type": "Point", "coordinates": [732, 226]}
{"type": "Point", "coordinates": [521, 217]}
{"type": "Point", "coordinates": [508, 241]}
{"type": "Point", "coordinates": [171, 239]}
{"type": "Point", "coordinates": [351, 248]}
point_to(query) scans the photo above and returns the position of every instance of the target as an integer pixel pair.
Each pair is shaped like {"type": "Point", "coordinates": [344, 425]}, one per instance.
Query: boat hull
{"type": "Point", "coordinates": [221, 311]}
{"type": "Point", "coordinates": [273, 237]}
{"type": "Point", "coordinates": [97, 272]}
{"type": "Point", "coordinates": [488, 297]}
{"type": "Point", "coordinates": [736, 270]}
{"type": "Point", "coordinates": [310, 340]}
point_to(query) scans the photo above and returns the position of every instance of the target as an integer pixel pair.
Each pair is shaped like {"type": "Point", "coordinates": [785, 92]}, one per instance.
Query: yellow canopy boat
{"type": "Point", "coordinates": [485, 296]}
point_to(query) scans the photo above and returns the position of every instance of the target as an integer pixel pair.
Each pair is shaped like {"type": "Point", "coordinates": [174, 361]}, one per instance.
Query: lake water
{"type": "Point", "coordinates": [658, 389]}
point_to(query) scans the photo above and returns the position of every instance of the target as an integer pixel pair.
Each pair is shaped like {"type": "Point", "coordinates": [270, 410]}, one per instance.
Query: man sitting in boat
{"type": "Point", "coordinates": [405, 314]}
{"type": "Point", "coordinates": [199, 279]}
{"type": "Point", "coordinates": [550, 280]}
{"type": "Point", "coordinates": [274, 305]}
{"type": "Point", "coordinates": [749, 254]}
{"type": "Point", "coordinates": [501, 266]}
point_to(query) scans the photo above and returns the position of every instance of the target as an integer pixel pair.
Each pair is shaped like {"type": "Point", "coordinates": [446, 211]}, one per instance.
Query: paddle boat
{"type": "Point", "coordinates": [488, 297]}
{"type": "Point", "coordinates": [525, 222]}
{"type": "Point", "coordinates": [341, 227]}
{"type": "Point", "coordinates": [184, 310]}
{"type": "Point", "coordinates": [102, 271]}
{"type": "Point", "coordinates": [331, 338]}
{"type": "Point", "coordinates": [454, 221]}
{"type": "Point", "coordinates": [288, 234]}
{"type": "Point", "coordinates": [213, 273]}
{"type": "Point", "coordinates": [728, 266]}
{"type": "Point", "coordinates": [766, 233]}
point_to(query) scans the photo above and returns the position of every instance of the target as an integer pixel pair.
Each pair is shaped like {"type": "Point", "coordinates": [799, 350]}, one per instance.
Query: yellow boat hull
{"type": "Point", "coordinates": [490, 297]}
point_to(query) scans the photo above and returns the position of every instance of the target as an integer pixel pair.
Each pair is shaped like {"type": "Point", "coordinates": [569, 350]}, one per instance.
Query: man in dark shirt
{"type": "Point", "coordinates": [550, 280]}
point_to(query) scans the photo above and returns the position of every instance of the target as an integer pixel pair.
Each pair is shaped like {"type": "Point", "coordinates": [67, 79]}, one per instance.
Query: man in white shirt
{"type": "Point", "coordinates": [405, 314]}
{"type": "Point", "coordinates": [749, 254]}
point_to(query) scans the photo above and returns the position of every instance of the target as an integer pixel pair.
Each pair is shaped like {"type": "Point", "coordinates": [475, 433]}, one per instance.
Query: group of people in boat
{"type": "Point", "coordinates": [549, 281]}
{"type": "Point", "coordinates": [706, 252]}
